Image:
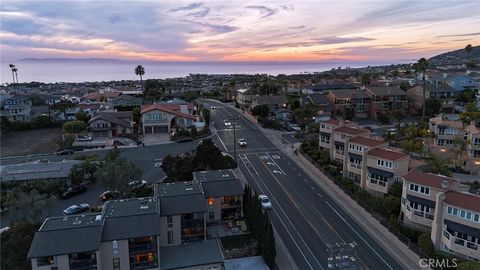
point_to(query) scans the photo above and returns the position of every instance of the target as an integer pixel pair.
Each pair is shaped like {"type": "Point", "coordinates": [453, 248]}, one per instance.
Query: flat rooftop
{"type": "Point", "coordinates": [188, 255]}
{"type": "Point", "coordinates": [36, 170]}
{"type": "Point", "coordinates": [131, 207]}
{"type": "Point", "coordinates": [216, 175]}
{"type": "Point", "coordinates": [76, 221]}
{"type": "Point", "coordinates": [177, 189]}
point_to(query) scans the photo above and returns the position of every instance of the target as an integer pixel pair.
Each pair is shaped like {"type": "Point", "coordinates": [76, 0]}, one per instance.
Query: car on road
{"type": "Point", "coordinates": [84, 138]}
{"type": "Point", "coordinates": [137, 184]}
{"type": "Point", "coordinates": [265, 201]}
{"type": "Point", "coordinates": [212, 107]}
{"type": "Point", "coordinates": [108, 195]}
{"type": "Point", "coordinates": [65, 152]}
{"type": "Point", "coordinates": [227, 123]}
{"type": "Point", "coordinates": [242, 142]}
{"type": "Point", "coordinates": [72, 191]}
{"type": "Point", "coordinates": [76, 209]}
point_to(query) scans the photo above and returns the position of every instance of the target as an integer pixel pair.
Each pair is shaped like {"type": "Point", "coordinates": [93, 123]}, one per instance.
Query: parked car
{"type": "Point", "coordinates": [65, 152]}
{"type": "Point", "coordinates": [227, 123]}
{"type": "Point", "coordinates": [242, 142]}
{"type": "Point", "coordinates": [294, 127]}
{"type": "Point", "coordinates": [137, 184]}
{"type": "Point", "coordinates": [72, 191]}
{"type": "Point", "coordinates": [76, 209]}
{"type": "Point", "coordinates": [108, 195]}
{"type": "Point", "coordinates": [212, 107]}
{"type": "Point", "coordinates": [84, 138]}
{"type": "Point", "coordinates": [265, 201]}
{"type": "Point", "coordinates": [184, 139]}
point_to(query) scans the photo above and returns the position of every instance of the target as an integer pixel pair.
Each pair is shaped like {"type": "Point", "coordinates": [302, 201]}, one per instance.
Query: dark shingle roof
{"type": "Point", "coordinates": [182, 204]}
{"type": "Point", "coordinates": [271, 100]}
{"type": "Point", "coordinates": [190, 255]}
{"type": "Point", "coordinates": [386, 91]}
{"type": "Point", "coordinates": [330, 86]}
{"type": "Point", "coordinates": [222, 188]}
{"type": "Point", "coordinates": [349, 93]}
{"type": "Point", "coordinates": [131, 227]}
{"type": "Point", "coordinates": [318, 98]}
{"type": "Point", "coordinates": [113, 117]}
{"type": "Point", "coordinates": [64, 235]}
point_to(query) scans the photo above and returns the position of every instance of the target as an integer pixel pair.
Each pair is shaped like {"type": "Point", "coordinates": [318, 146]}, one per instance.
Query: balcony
{"type": "Point", "coordinates": [354, 165]}
{"type": "Point", "coordinates": [416, 216]}
{"type": "Point", "coordinates": [377, 182]}
{"type": "Point", "coordinates": [86, 264]}
{"type": "Point", "coordinates": [142, 248]}
{"type": "Point", "coordinates": [339, 152]}
{"type": "Point", "coordinates": [459, 245]}
{"type": "Point", "coordinates": [103, 128]}
{"type": "Point", "coordinates": [143, 265]}
{"type": "Point", "coordinates": [234, 204]}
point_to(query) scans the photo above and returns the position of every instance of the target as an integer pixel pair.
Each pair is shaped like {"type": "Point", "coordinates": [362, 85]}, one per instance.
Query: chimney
{"type": "Point", "coordinates": [445, 184]}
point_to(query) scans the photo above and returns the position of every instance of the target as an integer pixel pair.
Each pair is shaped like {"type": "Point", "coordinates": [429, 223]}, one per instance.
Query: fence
{"type": "Point", "coordinates": [412, 246]}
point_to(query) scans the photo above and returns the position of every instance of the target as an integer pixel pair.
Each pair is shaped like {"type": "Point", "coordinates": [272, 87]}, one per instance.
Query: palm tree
{"type": "Point", "coordinates": [365, 79]}
{"type": "Point", "coordinates": [12, 66]}
{"type": "Point", "coordinates": [468, 49]}
{"type": "Point", "coordinates": [421, 66]}
{"type": "Point", "coordinates": [140, 71]}
{"type": "Point", "coordinates": [460, 149]}
{"type": "Point", "coordinates": [16, 74]}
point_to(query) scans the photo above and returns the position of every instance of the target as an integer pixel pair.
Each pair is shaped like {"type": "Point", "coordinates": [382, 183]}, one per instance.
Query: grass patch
{"type": "Point", "coordinates": [236, 241]}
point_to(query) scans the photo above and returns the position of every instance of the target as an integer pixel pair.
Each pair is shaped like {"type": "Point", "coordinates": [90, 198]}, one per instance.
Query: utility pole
{"type": "Point", "coordinates": [234, 140]}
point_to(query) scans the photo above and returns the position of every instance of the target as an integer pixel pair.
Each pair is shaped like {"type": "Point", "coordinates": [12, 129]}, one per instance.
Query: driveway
{"type": "Point", "coordinates": [159, 138]}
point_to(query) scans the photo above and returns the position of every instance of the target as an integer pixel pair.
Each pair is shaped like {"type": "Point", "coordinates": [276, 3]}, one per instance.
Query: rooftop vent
{"type": "Point", "coordinates": [144, 205]}
{"type": "Point", "coordinates": [98, 217]}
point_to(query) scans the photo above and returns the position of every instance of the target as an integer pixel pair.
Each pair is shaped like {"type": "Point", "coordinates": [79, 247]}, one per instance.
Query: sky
{"type": "Point", "coordinates": [317, 31]}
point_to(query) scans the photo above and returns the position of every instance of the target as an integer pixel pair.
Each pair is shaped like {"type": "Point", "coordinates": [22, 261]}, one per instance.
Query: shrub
{"type": "Point", "coordinates": [425, 244]}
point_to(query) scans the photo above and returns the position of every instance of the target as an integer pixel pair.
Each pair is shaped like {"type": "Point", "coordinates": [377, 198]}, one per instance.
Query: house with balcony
{"type": "Point", "coordinates": [357, 147]}
{"type": "Point", "coordinates": [17, 108]}
{"type": "Point", "coordinates": [339, 139]}
{"type": "Point", "coordinates": [273, 102]}
{"type": "Point", "coordinates": [355, 99]}
{"type": "Point", "coordinates": [244, 97]}
{"type": "Point", "coordinates": [472, 134]}
{"type": "Point", "coordinates": [443, 206]}
{"type": "Point", "coordinates": [383, 168]}
{"type": "Point", "coordinates": [224, 195]}
{"type": "Point", "coordinates": [459, 82]}
{"type": "Point", "coordinates": [386, 99]}
{"type": "Point", "coordinates": [443, 92]}
{"type": "Point", "coordinates": [127, 235]}
{"type": "Point", "coordinates": [165, 118]}
{"type": "Point", "coordinates": [320, 102]}
{"type": "Point", "coordinates": [111, 124]}
{"type": "Point", "coordinates": [326, 130]}
{"type": "Point", "coordinates": [126, 101]}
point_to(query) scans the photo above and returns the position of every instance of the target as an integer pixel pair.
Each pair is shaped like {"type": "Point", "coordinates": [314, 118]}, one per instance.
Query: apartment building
{"type": "Point", "coordinates": [165, 231]}
{"type": "Point", "coordinates": [443, 92]}
{"type": "Point", "coordinates": [356, 148]}
{"type": "Point", "coordinates": [449, 127]}
{"type": "Point", "coordinates": [340, 136]}
{"type": "Point", "coordinates": [356, 99]}
{"type": "Point", "coordinates": [442, 205]}
{"type": "Point", "coordinates": [384, 167]}
{"type": "Point", "coordinates": [386, 99]}
{"type": "Point", "coordinates": [17, 108]}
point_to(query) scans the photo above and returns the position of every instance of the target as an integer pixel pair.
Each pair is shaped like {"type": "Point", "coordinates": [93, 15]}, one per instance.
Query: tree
{"type": "Point", "coordinates": [5, 125]}
{"type": "Point", "coordinates": [261, 111]}
{"type": "Point", "coordinates": [471, 107]}
{"type": "Point", "coordinates": [140, 71]}
{"type": "Point", "coordinates": [112, 155]}
{"type": "Point", "coordinates": [136, 117]}
{"type": "Point", "coordinates": [466, 95]}
{"type": "Point", "coordinates": [461, 146]}
{"type": "Point", "coordinates": [76, 175]}
{"type": "Point", "coordinates": [206, 116]}
{"type": "Point", "coordinates": [74, 126]}
{"type": "Point", "coordinates": [437, 166]}
{"type": "Point", "coordinates": [425, 243]}
{"type": "Point", "coordinates": [421, 67]}
{"type": "Point", "coordinates": [82, 116]}
{"type": "Point", "coordinates": [432, 107]}
{"type": "Point", "coordinates": [366, 79]}
{"type": "Point", "coordinates": [28, 206]}
{"type": "Point", "coordinates": [398, 116]}
{"type": "Point", "coordinates": [115, 174]}
{"type": "Point", "coordinates": [468, 49]}
{"type": "Point", "coordinates": [349, 113]}
{"type": "Point", "coordinates": [15, 245]}
{"type": "Point", "coordinates": [412, 146]}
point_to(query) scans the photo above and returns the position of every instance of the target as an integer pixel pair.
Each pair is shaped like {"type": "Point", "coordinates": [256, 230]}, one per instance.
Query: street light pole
{"type": "Point", "coordinates": [234, 141]}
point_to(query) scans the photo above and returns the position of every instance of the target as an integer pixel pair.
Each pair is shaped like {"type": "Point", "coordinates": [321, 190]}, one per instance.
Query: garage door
{"type": "Point", "coordinates": [148, 130]}
{"type": "Point", "coordinates": [162, 129]}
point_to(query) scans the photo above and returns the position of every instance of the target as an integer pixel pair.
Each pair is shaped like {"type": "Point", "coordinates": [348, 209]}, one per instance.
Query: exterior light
{"type": "Point", "coordinates": [477, 162]}
{"type": "Point", "coordinates": [210, 201]}
{"type": "Point", "coordinates": [443, 150]}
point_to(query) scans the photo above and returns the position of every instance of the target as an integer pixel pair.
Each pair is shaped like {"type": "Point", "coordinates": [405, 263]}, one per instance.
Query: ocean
{"type": "Point", "coordinates": [50, 71]}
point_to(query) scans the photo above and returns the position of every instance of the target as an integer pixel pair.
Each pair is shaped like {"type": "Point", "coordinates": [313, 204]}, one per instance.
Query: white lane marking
{"type": "Point", "coordinates": [305, 180]}
{"type": "Point", "coordinates": [281, 220]}
{"type": "Point", "coordinates": [249, 163]}
{"type": "Point", "coordinates": [275, 171]}
{"type": "Point", "coordinates": [299, 174]}
{"type": "Point", "coordinates": [319, 195]}
{"type": "Point", "coordinates": [291, 223]}
{"type": "Point", "coordinates": [312, 187]}
{"type": "Point", "coordinates": [359, 235]}
{"type": "Point", "coordinates": [222, 143]}
{"type": "Point", "coordinates": [294, 169]}
{"type": "Point", "coordinates": [158, 164]}
{"type": "Point", "coordinates": [276, 163]}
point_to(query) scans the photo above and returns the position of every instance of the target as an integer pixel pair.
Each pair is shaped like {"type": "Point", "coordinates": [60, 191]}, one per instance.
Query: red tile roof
{"type": "Point", "coordinates": [367, 141]}
{"type": "Point", "coordinates": [331, 122]}
{"type": "Point", "coordinates": [387, 154]}
{"type": "Point", "coordinates": [463, 200]}
{"type": "Point", "coordinates": [428, 179]}
{"type": "Point", "coordinates": [351, 130]}
{"type": "Point", "coordinates": [168, 108]}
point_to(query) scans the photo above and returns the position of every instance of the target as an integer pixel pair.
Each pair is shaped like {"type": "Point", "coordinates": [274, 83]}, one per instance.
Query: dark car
{"type": "Point", "coordinates": [72, 191]}
{"type": "Point", "coordinates": [184, 139]}
{"type": "Point", "coordinates": [108, 195]}
{"type": "Point", "coordinates": [76, 209]}
{"type": "Point", "coordinates": [134, 185]}
{"type": "Point", "coordinates": [65, 152]}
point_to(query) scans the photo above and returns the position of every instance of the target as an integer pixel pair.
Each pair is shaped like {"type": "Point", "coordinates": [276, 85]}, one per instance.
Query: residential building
{"type": "Point", "coordinates": [273, 102]}
{"type": "Point", "coordinates": [320, 101]}
{"type": "Point", "coordinates": [325, 87]}
{"type": "Point", "coordinates": [126, 101]}
{"type": "Point", "coordinates": [166, 231]}
{"type": "Point", "coordinates": [244, 97]}
{"type": "Point", "coordinates": [111, 124]}
{"type": "Point", "coordinates": [339, 138]}
{"type": "Point", "coordinates": [165, 118]}
{"type": "Point", "coordinates": [443, 92]}
{"type": "Point", "coordinates": [326, 130]}
{"type": "Point", "coordinates": [386, 99]}
{"type": "Point", "coordinates": [283, 115]}
{"type": "Point", "coordinates": [383, 168]}
{"type": "Point", "coordinates": [472, 133]}
{"type": "Point", "coordinates": [446, 128]}
{"type": "Point", "coordinates": [100, 96]}
{"type": "Point", "coordinates": [441, 205]}
{"type": "Point", "coordinates": [459, 82]}
{"type": "Point", "coordinates": [30, 171]}
{"type": "Point", "coordinates": [354, 99]}
{"type": "Point", "coordinates": [17, 108]}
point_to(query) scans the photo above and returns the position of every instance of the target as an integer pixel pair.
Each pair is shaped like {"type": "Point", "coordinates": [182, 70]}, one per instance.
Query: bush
{"type": "Point", "coordinates": [15, 245]}
{"type": "Point", "coordinates": [425, 244]}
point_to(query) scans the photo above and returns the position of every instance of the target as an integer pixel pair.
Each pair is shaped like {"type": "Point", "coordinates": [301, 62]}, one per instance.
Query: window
{"type": "Point", "coordinates": [211, 201]}
{"type": "Point", "coordinates": [116, 263]}
{"type": "Point", "coordinates": [462, 213]}
{"type": "Point", "coordinates": [455, 211]}
{"type": "Point", "coordinates": [43, 261]}
{"type": "Point", "coordinates": [170, 237]}
{"type": "Point", "coordinates": [449, 210]}
{"type": "Point", "coordinates": [169, 221]}
{"type": "Point", "coordinates": [469, 215]}
{"type": "Point", "coordinates": [115, 247]}
{"type": "Point", "coordinates": [476, 218]}
{"type": "Point", "coordinates": [211, 215]}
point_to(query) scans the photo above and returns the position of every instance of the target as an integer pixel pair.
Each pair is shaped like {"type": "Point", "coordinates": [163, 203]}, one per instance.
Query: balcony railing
{"type": "Point", "coordinates": [192, 223]}
{"type": "Point", "coordinates": [234, 204]}
{"type": "Point", "coordinates": [142, 248]}
{"type": "Point", "coordinates": [459, 241]}
{"type": "Point", "coordinates": [354, 165]}
{"type": "Point", "coordinates": [143, 265]}
{"type": "Point", "coordinates": [377, 182]}
{"type": "Point", "coordinates": [95, 128]}
{"type": "Point", "coordinates": [417, 212]}
{"type": "Point", "coordinates": [340, 152]}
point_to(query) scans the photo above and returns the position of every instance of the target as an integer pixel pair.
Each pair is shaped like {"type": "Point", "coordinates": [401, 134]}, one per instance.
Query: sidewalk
{"type": "Point", "coordinates": [407, 258]}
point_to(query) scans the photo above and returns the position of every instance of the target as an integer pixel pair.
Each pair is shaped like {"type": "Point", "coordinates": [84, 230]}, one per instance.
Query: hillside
{"type": "Point", "coordinates": [456, 57]}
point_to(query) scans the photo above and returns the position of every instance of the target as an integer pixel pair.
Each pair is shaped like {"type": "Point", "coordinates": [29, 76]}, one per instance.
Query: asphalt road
{"type": "Point", "coordinates": [147, 158]}
{"type": "Point", "coordinates": [305, 216]}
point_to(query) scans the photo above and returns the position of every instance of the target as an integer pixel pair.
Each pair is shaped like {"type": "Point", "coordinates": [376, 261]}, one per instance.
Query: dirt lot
{"type": "Point", "coordinates": [37, 141]}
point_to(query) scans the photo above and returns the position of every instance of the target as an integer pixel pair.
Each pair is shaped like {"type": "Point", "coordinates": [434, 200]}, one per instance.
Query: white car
{"type": "Point", "coordinates": [266, 204]}
{"type": "Point", "coordinates": [212, 107]}
{"type": "Point", "coordinates": [242, 142]}
{"type": "Point", "coordinates": [227, 123]}
{"type": "Point", "coordinates": [137, 184]}
{"type": "Point", "coordinates": [295, 127]}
